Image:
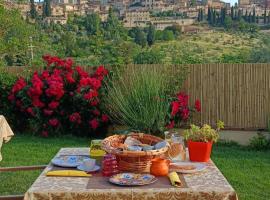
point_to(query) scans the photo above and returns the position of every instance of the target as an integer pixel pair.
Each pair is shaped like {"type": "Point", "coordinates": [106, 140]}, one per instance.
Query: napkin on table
{"type": "Point", "coordinates": [175, 180]}
{"type": "Point", "coordinates": [70, 173]}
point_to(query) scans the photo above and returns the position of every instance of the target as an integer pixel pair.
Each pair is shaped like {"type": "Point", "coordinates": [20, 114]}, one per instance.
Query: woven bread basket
{"type": "Point", "coordinates": [133, 161]}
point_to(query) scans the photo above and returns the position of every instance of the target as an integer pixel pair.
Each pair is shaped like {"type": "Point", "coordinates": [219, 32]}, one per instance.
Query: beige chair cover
{"type": "Point", "coordinates": [5, 132]}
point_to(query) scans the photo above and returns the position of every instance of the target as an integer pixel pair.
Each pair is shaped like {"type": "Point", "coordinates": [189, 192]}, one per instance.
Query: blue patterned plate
{"type": "Point", "coordinates": [132, 179]}
{"type": "Point", "coordinates": [69, 161]}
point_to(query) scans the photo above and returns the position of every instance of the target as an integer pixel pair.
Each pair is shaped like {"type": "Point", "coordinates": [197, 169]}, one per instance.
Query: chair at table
{"type": "Point", "coordinates": [5, 135]}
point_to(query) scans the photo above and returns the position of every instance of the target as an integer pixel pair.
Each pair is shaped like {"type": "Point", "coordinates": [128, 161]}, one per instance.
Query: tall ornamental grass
{"type": "Point", "coordinates": [139, 96]}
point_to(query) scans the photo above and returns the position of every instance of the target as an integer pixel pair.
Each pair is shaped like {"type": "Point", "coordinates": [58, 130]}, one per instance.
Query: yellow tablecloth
{"type": "Point", "coordinates": [5, 132]}
{"type": "Point", "coordinates": [207, 185]}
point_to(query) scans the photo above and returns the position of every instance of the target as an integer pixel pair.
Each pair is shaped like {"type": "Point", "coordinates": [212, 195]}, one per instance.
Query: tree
{"type": "Point", "coordinates": [257, 19]}
{"type": "Point", "coordinates": [47, 8]}
{"type": "Point", "coordinates": [151, 35]}
{"type": "Point", "coordinates": [92, 23]}
{"type": "Point", "coordinates": [264, 16]}
{"type": "Point", "coordinates": [209, 14]}
{"type": "Point", "coordinates": [228, 23]}
{"type": "Point", "coordinates": [246, 16]}
{"type": "Point", "coordinates": [140, 38]}
{"type": "Point", "coordinates": [253, 19]}
{"type": "Point", "coordinates": [176, 29]}
{"type": "Point", "coordinates": [268, 17]}
{"type": "Point", "coordinates": [223, 13]}
{"type": "Point", "coordinates": [148, 57]}
{"type": "Point", "coordinates": [249, 18]}
{"type": "Point", "coordinates": [168, 35]}
{"type": "Point", "coordinates": [113, 27]}
{"type": "Point", "coordinates": [232, 13]}
{"type": "Point", "coordinates": [33, 11]}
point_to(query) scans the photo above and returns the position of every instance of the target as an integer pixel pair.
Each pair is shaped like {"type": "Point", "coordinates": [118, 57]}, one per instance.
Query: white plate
{"type": "Point", "coordinates": [82, 168]}
{"type": "Point", "coordinates": [199, 167]}
{"type": "Point", "coordinates": [68, 161]}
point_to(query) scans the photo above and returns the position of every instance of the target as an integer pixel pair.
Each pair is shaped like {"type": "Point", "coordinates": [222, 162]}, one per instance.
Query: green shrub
{"type": "Point", "coordinates": [6, 82]}
{"type": "Point", "coordinates": [259, 142]}
{"type": "Point", "coordinates": [139, 96]}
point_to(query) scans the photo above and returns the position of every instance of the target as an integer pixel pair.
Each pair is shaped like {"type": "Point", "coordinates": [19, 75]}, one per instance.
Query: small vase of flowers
{"type": "Point", "coordinates": [200, 140]}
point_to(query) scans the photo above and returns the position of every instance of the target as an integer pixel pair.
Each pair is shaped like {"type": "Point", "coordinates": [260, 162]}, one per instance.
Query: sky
{"type": "Point", "coordinates": [232, 2]}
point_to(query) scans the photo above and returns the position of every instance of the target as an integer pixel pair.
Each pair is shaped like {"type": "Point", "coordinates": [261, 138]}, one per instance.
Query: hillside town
{"type": "Point", "coordinates": [140, 13]}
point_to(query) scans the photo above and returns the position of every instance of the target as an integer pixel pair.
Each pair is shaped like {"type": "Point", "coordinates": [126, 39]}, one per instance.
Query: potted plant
{"type": "Point", "coordinates": [200, 140]}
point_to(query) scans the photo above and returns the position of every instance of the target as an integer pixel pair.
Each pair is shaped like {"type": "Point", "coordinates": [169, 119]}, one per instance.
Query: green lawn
{"type": "Point", "coordinates": [247, 171]}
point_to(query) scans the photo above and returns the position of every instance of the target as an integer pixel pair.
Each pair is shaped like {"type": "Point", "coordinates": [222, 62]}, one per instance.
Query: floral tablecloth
{"type": "Point", "coordinates": [207, 185]}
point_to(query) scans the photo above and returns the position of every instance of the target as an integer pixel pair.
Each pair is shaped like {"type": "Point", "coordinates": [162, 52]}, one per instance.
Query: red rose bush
{"type": "Point", "coordinates": [63, 98]}
{"type": "Point", "coordinates": [181, 111]}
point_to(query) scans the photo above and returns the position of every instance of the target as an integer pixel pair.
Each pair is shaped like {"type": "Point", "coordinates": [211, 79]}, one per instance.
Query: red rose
{"type": "Point", "coordinates": [47, 112]}
{"type": "Point", "coordinates": [54, 122]}
{"type": "Point", "coordinates": [175, 107]}
{"type": "Point", "coordinates": [105, 118]}
{"type": "Point", "coordinates": [198, 105]}
{"type": "Point", "coordinates": [37, 103]}
{"type": "Point", "coordinates": [53, 105]}
{"type": "Point", "coordinates": [81, 72]}
{"type": "Point", "coordinates": [11, 97]}
{"type": "Point", "coordinates": [90, 95]}
{"type": "Point", "coordinates": [95, 83]}
{"type": "Point", "coordinates": [19, 85]}
{"type": "Point", "coordinates": [96, 112]}
{"type": "Point", "coordinates": [185, 113]}
{"type": "Point", "coordinates": [18, 103]}
{"type": "Point", "coordinates": [101, 71]}
{"type": "Point", "coordinates": [183, 99]}
{"type": "Point", "coordinates": [94, 103]}
{"type": "Point", "coordinates": [94, 124]}
{"type": "Point", "coordinates": [75, 117]}
{"type": "Point", "coordinates": [170, 125]}
{"type": "Point", "coordinates": [44, 133]}
{"type": "Point", "coordinates": [45, 74]}
{"type": "Point", "coordinates": [69, 78]}
{"type": "Point", "coordinates": [30, 111]}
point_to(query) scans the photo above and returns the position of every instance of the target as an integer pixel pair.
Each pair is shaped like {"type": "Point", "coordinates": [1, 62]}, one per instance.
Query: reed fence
{"type": "Point", "coordinates": [238, 94]}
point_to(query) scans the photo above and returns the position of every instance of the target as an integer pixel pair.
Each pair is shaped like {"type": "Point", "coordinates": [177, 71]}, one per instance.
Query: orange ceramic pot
{"type": "Point", "coordinates": [159, 167]}
{"type": "Point", "coordinates": [199, 151]}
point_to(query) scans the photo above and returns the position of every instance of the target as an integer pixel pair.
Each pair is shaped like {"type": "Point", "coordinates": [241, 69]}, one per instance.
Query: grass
{"type": "Point", "coordinates": [247, 171]}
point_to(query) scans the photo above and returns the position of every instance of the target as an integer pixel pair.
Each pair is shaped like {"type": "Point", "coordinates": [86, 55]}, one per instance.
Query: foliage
{"type": "Point", "coordinates": [61, 99]}
{"type": "Point", "coordinates": [139, 96]}
{"type": "Point", "coordinates": [47, 8]}
{"type": "Point", "coordinates": [259, 142]}
{"type": "Point", "coordinates": [33, 11]}
{"type": "Point", "coordinates": [148, 57]}
{"type": "Point", "coordinates": [181, 112]}
{"type": "Point", "coordinates": [203, 134]}
{"type": "Point", "coordinates": [151, 35]}
{"type": "Point", "coordinates": [6, 82]}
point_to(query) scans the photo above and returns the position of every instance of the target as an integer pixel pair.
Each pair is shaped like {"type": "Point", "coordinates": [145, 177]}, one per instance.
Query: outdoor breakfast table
{"type": "Point", "coordinates": [209, 184]}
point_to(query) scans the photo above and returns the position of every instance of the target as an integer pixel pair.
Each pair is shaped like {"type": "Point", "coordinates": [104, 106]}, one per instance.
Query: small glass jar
{"type": "Point", "coordinates": [177, 150]}
{"type": "Point", "coordinates": [109, 165]}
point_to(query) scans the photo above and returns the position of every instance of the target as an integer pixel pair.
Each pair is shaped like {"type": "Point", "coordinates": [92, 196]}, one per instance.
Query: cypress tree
{"type": "Point", "coordinates": [264, 16]}
{"type": "Point", "coordinates": [209, 15]}
{"type": "Point", "coordinates": [249, 18]}
{"type": "Point", "coordinates": [33, 11]}
{"type": "Point", "coordinates": [214, 18]}
{"type": "Point", "coordinates": [253, 19]}
{"type": "Point", "coordinates": [47, 8]}
{"type": "Point", "coordinates": [246, 16]}
{"type": "Point", "coordinates": [151, 35]}
{"type": "Point", "coordinates": [232, 12]}
{"type": "Point", "coordinates": [201, 14]}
